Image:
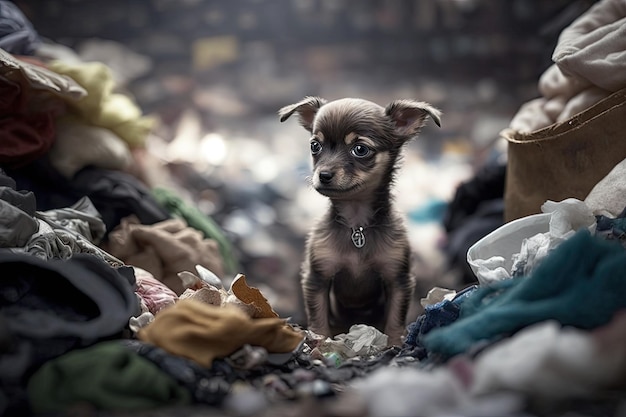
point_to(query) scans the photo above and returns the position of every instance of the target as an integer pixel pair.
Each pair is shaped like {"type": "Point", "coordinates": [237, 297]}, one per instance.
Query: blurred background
{"type": "Point", "coordinates": [213, 75]}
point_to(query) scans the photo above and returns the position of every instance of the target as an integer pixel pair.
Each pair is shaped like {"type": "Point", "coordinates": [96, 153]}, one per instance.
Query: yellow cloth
{"type": "Point", "coordinates": [203, 332]}
{"type": "Point", "coordinates": [103, 107]}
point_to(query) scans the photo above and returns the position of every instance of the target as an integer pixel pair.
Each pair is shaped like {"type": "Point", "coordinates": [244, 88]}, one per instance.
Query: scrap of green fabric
{"type": "Point", "coordinates": [106, 375]}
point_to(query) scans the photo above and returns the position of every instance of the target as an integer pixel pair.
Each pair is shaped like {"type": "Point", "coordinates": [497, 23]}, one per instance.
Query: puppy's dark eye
{"type": "Point", "coordinates": [360, 151]}
{"type": "Point", "coordinates": [316, 147]}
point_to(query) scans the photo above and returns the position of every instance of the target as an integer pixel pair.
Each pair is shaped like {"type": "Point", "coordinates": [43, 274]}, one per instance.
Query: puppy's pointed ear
{"type": "Point", "coordinates": [409, 115]}
{"type": "Point", "coordinates": [307, 109]}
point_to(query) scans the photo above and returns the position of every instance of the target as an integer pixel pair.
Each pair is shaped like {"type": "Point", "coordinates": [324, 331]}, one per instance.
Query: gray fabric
{"type": "Point", "coordinates": [16, 210]}
{"type": "Point", "coordinates": [17, 34]}
{"type": "Point", "coordinates": [16, 226]}
{"type": "Point", "coordinates": [67, 231]}
{"type": "Point", "coordinates": [23, 200]}
{"type": "Point", "coordinates": [82, 217]}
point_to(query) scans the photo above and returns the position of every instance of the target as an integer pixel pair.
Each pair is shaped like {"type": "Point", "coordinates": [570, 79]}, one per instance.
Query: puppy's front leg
{"type": "Point", "coordinates": [316, 289]}
{"type": "Point", "coordinates": [398, 299]}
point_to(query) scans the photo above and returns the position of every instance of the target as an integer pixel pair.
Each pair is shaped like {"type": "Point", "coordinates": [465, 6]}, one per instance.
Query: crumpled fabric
{"type": "Point", "coordinates": [22, 199]}
{"type": "Point", "coordinates": [28, 132]}
{"type": "Point", "coordinates": [117, 379]}
{"type": "Point", "coordinates": [82, 218]}
{"type": "Point", "coordinates": [550, 361]}
{"type": "Point", "coordinates": [102, 106]}
{"type": "Point", "coordinates": [32, 98]}
{"type": "Point", "coordinates": [588, 66]}
{"type": "Point", "coordinates": [610, 228]}
{"type": "Point", "coordinates": [202, 332]}
{"type": "Point", "coordinates": [17, 34]}
{"type": "Point", "coordinates": [68, 231]}
{"type": "Point", "coordinates": [436, 315]}
{"type": "Point", "coordinates": [592, 47]}
{"type": "Point", "coordinates": [16, 226]}
{"type": "Point", "coordinates": [39, 78]}
{"type": "Point", "coordinates": [608, 197]}
{"type": "Point", "coordinates": [206, 385]}
{"type": "Point", "coordinates": [78, 145]}
{"type": "Point", "coordinates": [406, 391]}
{"type": "Point", "coordinates": [163, 249]}
{"type": "Point", "coordinates": [580, 283]}
{"type": "Point", "coordinates": [54, 306]}
{"type": "Point", "coordinates": [17, 208]}
{"type": "Point", "coordinates": [153, 292]}
{"type": "Point", "coordinates": [177, 207]}
{"type": "Point", "coordinates": [115, 194]}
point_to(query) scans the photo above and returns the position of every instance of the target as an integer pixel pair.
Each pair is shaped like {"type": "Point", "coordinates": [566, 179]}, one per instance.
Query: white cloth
{"type": "Point", "coordinates": [399, 392]}
{"type": "Point", "coordinates": [593, 47]}
{"type": "Point", "coordinates": [589, 64]}
{"type": "Point", "coordinates": [608, 197]}
{"type": "Point", "coordinates": [549, 361]}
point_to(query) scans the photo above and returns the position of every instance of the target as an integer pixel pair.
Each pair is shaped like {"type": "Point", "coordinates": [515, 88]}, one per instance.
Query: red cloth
{"type": "Point", "coordinates": [23, 139]}
{"type": "Point", "coordinates": [27, 123]}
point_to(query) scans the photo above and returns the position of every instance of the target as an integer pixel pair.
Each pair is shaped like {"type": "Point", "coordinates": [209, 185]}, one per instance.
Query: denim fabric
{"type": "Point", "coordinates": [435, 315]}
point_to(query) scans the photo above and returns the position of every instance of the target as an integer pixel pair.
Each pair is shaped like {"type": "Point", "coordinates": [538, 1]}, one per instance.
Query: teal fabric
{"type": "Point", "coordinates": [175, 206]}
{"type": "Point", "coordinates": [581, 284]}
{"type": "Point", "coordinates": [108, 376]}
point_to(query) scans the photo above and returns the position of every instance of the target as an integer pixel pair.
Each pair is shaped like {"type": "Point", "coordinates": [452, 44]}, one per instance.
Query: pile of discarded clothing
{"type": "Point", "coordinates": [117, 299]}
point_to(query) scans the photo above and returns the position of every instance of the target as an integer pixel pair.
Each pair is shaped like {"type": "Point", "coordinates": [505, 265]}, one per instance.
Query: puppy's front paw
{"type": "Point", "coordinates": [320, 330]}
{"type": "Point", "coordinates": [394, 337]}
{"type": "Point", "coordinates": [394, 341]}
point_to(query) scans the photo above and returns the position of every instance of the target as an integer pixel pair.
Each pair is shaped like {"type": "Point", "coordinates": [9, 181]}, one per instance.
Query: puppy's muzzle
{"type": "Point", "coordinates": [326, 177]}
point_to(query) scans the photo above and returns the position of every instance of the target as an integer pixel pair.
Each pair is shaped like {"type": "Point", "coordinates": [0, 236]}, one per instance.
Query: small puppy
{"type": "Point", "coordinates": [356, 267]}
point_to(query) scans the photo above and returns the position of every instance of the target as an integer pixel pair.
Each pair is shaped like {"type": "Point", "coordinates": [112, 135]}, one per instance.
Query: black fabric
{"type": "Point", "coordinates": [487, 184]}
{"type": "Point", "coordinates": [115, 194]}
{"type": "Point", "coordinates": [476, 210]}
{"type": "Point", "coordinates": [51, 307]}
{"type": "Point", "coordinates": [207, 385]}
{"type": "Point", "coordinates": [6, 180]}
{"type": "Point", "coordinates": [23, 200]}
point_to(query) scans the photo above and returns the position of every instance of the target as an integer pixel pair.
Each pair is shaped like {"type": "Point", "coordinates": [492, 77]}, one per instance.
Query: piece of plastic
{"type": "Point", "coordinates": [522, 243]}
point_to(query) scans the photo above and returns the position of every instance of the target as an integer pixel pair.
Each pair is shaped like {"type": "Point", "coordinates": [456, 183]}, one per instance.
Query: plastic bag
{"type": "Point", "coordinates": [517, 246]}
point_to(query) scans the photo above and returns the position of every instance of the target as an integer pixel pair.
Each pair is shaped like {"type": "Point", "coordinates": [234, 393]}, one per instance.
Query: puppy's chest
{"type": "Point", "coordinates": [337, 252]}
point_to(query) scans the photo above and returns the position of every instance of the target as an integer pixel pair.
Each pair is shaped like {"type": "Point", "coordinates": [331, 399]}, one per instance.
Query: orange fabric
{"type": "Point", "coordinates": [203, 332]}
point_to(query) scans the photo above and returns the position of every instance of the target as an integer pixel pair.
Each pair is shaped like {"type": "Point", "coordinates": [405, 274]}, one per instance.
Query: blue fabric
{"type": "Point", "coordinates": [435, 315]}
{"type": "Point", "coordinates": [580, 283]}
{"type": "Point", "coordinates": [612, 229]}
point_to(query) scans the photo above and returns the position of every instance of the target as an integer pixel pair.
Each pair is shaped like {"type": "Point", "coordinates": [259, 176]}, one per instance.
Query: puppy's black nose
{"type": "Point", "coordinates": [326, 176]}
